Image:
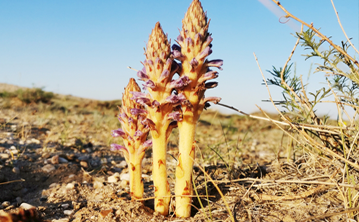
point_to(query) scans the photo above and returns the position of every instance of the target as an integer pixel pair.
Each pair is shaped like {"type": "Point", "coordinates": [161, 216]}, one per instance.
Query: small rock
{"type": "Point", "coordinates": [5, 204]}
{"type": "Point", "coordinates": [117, 169]}
{"type": "Point", "coordinates": [65, 206]}
{"type": "Point", "coordinates": [18, 200]}
{"type": "Point", "coordinates": [48, 168]}
{"type": "Point", "coordinates": [53, 185]}
{"type": "Point", "coordinates": [55, 159]}
{"type": "Point", "coordinates": [98, 185]}
{"type": "Point", "coordinates": [13, 150]}
{"type": "Point", "coordinates": [68, 212]}
{"type": "Point", "coordinates": [71, 176]}
{"type": "Point", "coordinates": [61, 220]}
{"type": "Point", "coordinates": [122, 165]}
{"type": "Point", "coordinates": [33, 140]}
{"type": "Point", "coordinates": [43, 198]}
{"type": "Point", "coordinates": [83, 157]}
{"type": "Point", "coordinates": [114, 178]}
{"type": "Point", "coordinates": [4, 156]}
{"type": "Point", "coordinates": [27, 206]}
{"type": "Point", "coordinates": [63, 160]}
{"type": "Point", "coordinates": [104, 213]}
{"type": "Point", "coordinates": [70, 156]}
{"type": "Point", "coordinates": [124, 184]}
{"type": "Point", "coordinates": [84, 164]}
{"type": "Point", "coordinates": [70, 186]}
{"type": "Point", "coordinates": [16, 170]}
{"type": "Point", "coordinates": [125, 176]}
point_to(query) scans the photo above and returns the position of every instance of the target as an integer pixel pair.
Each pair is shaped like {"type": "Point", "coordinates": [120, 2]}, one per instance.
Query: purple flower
{"type": "Point", "coordinates": [177, 116]}
{"type": "Point", "coordinates": [189, 41]}
{"type": "Point", "coordinates": [214, 100]}
{"type": "Point", "coordinates": [216, 63]}
{"type": "Point", "coordinates": [194, 63]}
{"type": "Point", "coordinates": [207, 76]}
{"type": "Point", "coordinates": [142, 75]}
{"type": "Point", "coordinates": [149, 62]}
{"type": "Point", "coordinates": [177, 54]}
{"type": "Point", "coordinates": [180, 39]}
{"type": "Point", "coordinates": [138, 133]}
{"type": "Point", "coordinates": [210, 85]}
{"type": "Point", "coordinates": [116, 147]}
{"type": "Point", "coordinates": [147, 143]}
{"type": "Point", "coordinates": [175, 99]}
{"type": "Point", "coordinates": [118, 132]}
{"type": "Point", "coordinates": [180, 82]}
{"type": "Point", "coordinates": [143, 101]}
{"type": "Point", "coordinates": [150, 84]}
{"type": "Point", "coordinates": [181, 97]}
{"type": "Point", "coordinates": [164, 75]}
{"type": "Point", "coordinates": [136, 111]}
{"type": "Point", "coordinates": [155, 104]}
{"type": "Point", "coordinates": [209, 39]}
{"type": "Point", "coordinates": [149, 123]}
{"type": "Point", "coordinates": [206, 52]}
{"type": "Point", "coordinates": [197, 38]}
{"type": "Point", "coordinates": [138, 95]}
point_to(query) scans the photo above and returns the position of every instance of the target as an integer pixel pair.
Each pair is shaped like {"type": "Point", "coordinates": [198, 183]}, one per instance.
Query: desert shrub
{"type": "Point", "coordinates": [331, 139]}
{"type": "Point", "coordinates": [34, 95]}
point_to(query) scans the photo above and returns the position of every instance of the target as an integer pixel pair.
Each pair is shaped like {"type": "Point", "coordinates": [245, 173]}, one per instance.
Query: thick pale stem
{"type": "Point", "coordinates": [136, 183]}
{"type": "Point", "coordinates": [184, 168]}
{"type": "Point", "coordinates": [159, 173]}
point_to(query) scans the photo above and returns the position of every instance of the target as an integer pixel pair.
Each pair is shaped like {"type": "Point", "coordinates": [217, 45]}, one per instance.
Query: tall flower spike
{"type": "Point", "coordinates": [194, 46]}
{"type": "Point", "coordinates": [134, 133]}
{"type": "Point", "coordinates": [158, 72]}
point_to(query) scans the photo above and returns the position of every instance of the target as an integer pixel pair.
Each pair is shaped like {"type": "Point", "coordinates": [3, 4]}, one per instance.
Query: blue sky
{"type": "Point", "coordinates": [83, 47]}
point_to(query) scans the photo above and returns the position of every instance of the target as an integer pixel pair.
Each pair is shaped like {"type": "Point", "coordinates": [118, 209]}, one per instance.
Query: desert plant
{"type": "Point", "coordinates": [317, 135]}
{"type": "Point", "coordinates": [157, 73]}
{"type": "Point", "coordinates": [194, 46]}
{"type": "Point", "coordinates": [134, 133]}
{"type": "Point", "coordinates": [34, 95]}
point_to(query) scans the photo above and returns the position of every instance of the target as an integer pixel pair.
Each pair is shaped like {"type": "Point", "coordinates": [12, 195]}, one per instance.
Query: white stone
{"type": "Point", "coordinates": [123, 164]}
{"type": "Point", "coordinates": [70, 186]}
{"type": "Point", "coordinates": [65, 206]}
{"type": "Point", "coordinates": [125, 176]}
{"type": "Point", "coordinates": [114, 178]}
{"type": "Point", "coordinates": [27, 206]}
{"type": "Point", "coordinates": [68, 212]}
{"type": "Point", "coordinates": [48, 168]}
{"type": "Point", "coordinates": [4, 156]}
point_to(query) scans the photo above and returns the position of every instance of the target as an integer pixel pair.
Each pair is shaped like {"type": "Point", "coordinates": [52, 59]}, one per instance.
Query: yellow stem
{"type": "Point", "coordinates": [184, 168]}
{"type": "Point", "coordinates": [159, 173]}
{"type": "Point", "coordinates": [136, 183]}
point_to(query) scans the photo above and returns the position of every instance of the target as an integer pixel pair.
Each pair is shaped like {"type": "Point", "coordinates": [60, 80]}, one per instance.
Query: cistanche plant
{"type": "Point", "coordinates": [134, 134]}
{"type": "Point", "coordinates": [194, 45]}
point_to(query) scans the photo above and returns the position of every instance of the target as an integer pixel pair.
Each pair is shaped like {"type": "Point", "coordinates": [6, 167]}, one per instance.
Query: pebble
{"type": "Point", "coordinates": [18, 200]}
{"type": "Point", "coordinates": [65, 206]}
{"type": "Point", "coordinates": [125, 176]}
{"type": "Point", "coordinates": [61, 220]}
{"type": "Point", "coordinates": [70, 156]}
{"type": "Point", "coordinates": [114, 178]}
{"type": "Point", "coordinates": [124, 184]}
{"type": "Point", "coordinates": [55, 159]}
{"type": "Point", "coordinates": [63, 160]}
{"type": "Point", "coordinates": [53, 185]}
{"type": "Point", "coordinates": [5, 203]}
{"type": "Point", "coordinates": [122, 165]}
{"type": "Point", "coordinates": [16, 170]}
{"type": "Point", "coordinates": [4, 156]}
{"type": "Point", "coordinates": [104, 213]}
{"type": "Point", "coordinates": [14, 150]}
{"type": "Point", "coordinates": [68, 212]}
{"type": "Point", "coordinates": [27, 206]}
{"type": "Point", "coordinates": [71, 176]}
{"type": "Point", "coordinates": [70, 186]}
{"type": "Point", "coordinates": [98, 185]}
{"type": "Point", "coordinates": [48, 168]}
{"type": "Point", "coordinates": [84, 164]}
{"type": "Point", "coordinates": [33, 140]}
{"type": "Point", "coordinates": [83, 157]}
